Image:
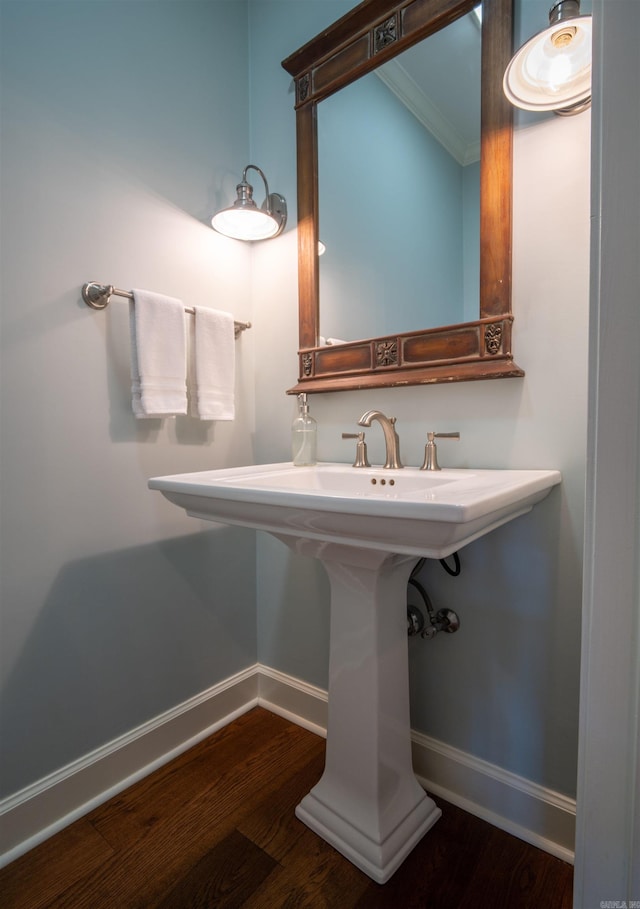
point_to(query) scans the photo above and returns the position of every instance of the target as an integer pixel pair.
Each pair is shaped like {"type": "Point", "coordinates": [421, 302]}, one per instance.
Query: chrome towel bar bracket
{"type": "Point", "coordinates": [98, 296]}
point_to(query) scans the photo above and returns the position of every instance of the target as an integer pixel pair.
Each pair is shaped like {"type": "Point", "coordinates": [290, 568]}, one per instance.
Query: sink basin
{"type": "Point", "coordinates": [368, 526]}
{"type": "Point", "coordinates": [420, 513]}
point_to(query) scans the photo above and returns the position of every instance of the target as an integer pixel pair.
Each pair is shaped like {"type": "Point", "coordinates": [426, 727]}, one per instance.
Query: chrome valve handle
{"type": "Point", "coordinates": [361, 448]}
{"type": "Point", "coordinates": [431, 451]}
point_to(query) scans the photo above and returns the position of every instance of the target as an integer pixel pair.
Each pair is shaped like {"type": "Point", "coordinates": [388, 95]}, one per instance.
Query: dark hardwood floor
{"type": "Point", "coordinates": [216, 828]}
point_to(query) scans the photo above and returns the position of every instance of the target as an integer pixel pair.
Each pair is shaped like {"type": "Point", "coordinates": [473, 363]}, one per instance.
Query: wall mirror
{"type": "Point", "coordinates": [419, 294]}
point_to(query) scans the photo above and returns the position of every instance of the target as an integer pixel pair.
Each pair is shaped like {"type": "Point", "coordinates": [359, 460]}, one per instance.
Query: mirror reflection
{"type": "Point", "coordinates": [375, 33]}
{"type": "Point", "coordinates": [399, 178]}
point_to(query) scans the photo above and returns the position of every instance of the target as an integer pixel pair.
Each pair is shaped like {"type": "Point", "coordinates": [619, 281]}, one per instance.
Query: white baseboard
{"type": "Point", "coordinates": [529, 811]}
{"type": "Point", "coordinates": [34, 814]}
{"type": "Point", "coordinates": [293, 699]}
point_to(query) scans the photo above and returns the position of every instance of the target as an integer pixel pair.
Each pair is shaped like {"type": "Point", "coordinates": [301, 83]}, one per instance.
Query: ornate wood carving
{"type": "Point", "coordinates": [386, 353]}
{"type": "Point", "coordinates": [303, 85]}
{"type": "Point", "coordinates": [493, 338]}
{"type": "Point", "coordinates": [385, 34]}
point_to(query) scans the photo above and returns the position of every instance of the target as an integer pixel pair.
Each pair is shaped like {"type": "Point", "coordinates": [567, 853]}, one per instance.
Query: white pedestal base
{"type": "Point", "coordinates": [368, 803]}
{"type": "Point", "coordinates": [378, 858]}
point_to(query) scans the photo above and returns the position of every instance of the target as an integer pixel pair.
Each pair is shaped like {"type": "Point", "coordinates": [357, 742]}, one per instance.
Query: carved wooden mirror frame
{"type": "Point", "coordinates": [370, 34]}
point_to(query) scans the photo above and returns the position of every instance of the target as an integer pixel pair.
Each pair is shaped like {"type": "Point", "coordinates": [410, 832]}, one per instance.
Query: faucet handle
{"type": "Point", "coordinates": [361, 448]}
{"type": "Point", "coordinates": [431, 451]}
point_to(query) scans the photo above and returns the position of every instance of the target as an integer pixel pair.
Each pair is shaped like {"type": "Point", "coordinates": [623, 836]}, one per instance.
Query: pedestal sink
{"type": "Point", "coordinates": [368, 526]}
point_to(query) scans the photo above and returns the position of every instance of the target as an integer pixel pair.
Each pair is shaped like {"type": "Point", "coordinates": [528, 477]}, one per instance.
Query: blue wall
{"type": "Point", "coordinates": [391, 215]}
{"type": "Point", "coordinates": [122, 131]}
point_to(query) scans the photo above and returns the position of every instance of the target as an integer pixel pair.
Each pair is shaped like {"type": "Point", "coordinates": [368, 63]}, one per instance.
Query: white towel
{"type": "Point", "coordinates": [330, 342]}
{"type": "Point", "coordinates": [214, 352]}
{"type": "Point", "coordinates": [158, 355]}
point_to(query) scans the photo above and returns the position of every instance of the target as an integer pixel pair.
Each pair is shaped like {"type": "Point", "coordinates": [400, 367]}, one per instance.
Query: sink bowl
{"type": "Point", "coordinates": [407, 511]}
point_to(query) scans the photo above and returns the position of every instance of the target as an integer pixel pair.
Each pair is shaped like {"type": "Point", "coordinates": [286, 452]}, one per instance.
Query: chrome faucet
{"type": "Point", "coordinates": [390, 435]}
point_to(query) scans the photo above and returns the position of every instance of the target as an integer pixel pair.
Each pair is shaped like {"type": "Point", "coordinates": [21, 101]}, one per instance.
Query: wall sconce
{"type": "Point", "coordinates": [244, 220]}
{"type": "Point", "coordinates": [552, 71]}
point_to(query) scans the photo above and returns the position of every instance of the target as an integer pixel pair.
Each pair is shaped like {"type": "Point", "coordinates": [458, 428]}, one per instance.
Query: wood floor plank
{"type": "Point", "coordinates": [37, 878]}
{"type": "Point", "coordinates": [315, 876]}
{"type": "Point", "coordinates": [151, 866]}
{"type": "Point", "coordinates": [135, 812]}
{"type": "Point", "coordinates": [217, 828]}
{"type": "Point", "coordinates": [271, 823]}
{"type": "Point", "coordinates": [225, 877]}
{"type": "Point", "coordinates": [512, 873]}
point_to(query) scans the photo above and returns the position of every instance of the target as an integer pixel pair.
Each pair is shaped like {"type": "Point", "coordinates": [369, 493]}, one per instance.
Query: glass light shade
{"type": "Point", "coordinates": [244, 220]}
{"type": "Point", "coordinates": [245, 223]}
{"type": "Point", "coordinates": [552, 71]}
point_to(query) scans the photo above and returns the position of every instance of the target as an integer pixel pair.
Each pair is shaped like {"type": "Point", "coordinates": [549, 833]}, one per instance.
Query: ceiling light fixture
{"type": "Point", "coordinates": [244, 220]}
{"type": "Point", "coordinates": [552, 71]}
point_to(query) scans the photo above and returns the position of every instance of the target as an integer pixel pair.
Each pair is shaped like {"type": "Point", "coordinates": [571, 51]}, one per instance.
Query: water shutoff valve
{"type": "Point", "coordinates": [443, 620]}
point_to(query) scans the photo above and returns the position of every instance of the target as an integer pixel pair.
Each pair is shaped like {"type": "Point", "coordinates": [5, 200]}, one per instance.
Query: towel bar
{"type": "Point", "coordinates": [97, 296]}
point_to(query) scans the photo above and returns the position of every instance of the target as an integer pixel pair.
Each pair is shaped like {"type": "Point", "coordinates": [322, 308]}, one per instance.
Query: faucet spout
{"type": "Point", "coordinates": [391, 439]}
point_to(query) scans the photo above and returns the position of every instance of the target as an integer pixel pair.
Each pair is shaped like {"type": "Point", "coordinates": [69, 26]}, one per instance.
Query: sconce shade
{"type": "Point", "coordinates": [244, 220]}
{"type": "Point", "coordinates": [552, 71]}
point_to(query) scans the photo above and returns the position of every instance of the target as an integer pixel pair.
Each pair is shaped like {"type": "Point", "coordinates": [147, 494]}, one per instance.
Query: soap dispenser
{"type": "Point", "coordinates": [303, 435]}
